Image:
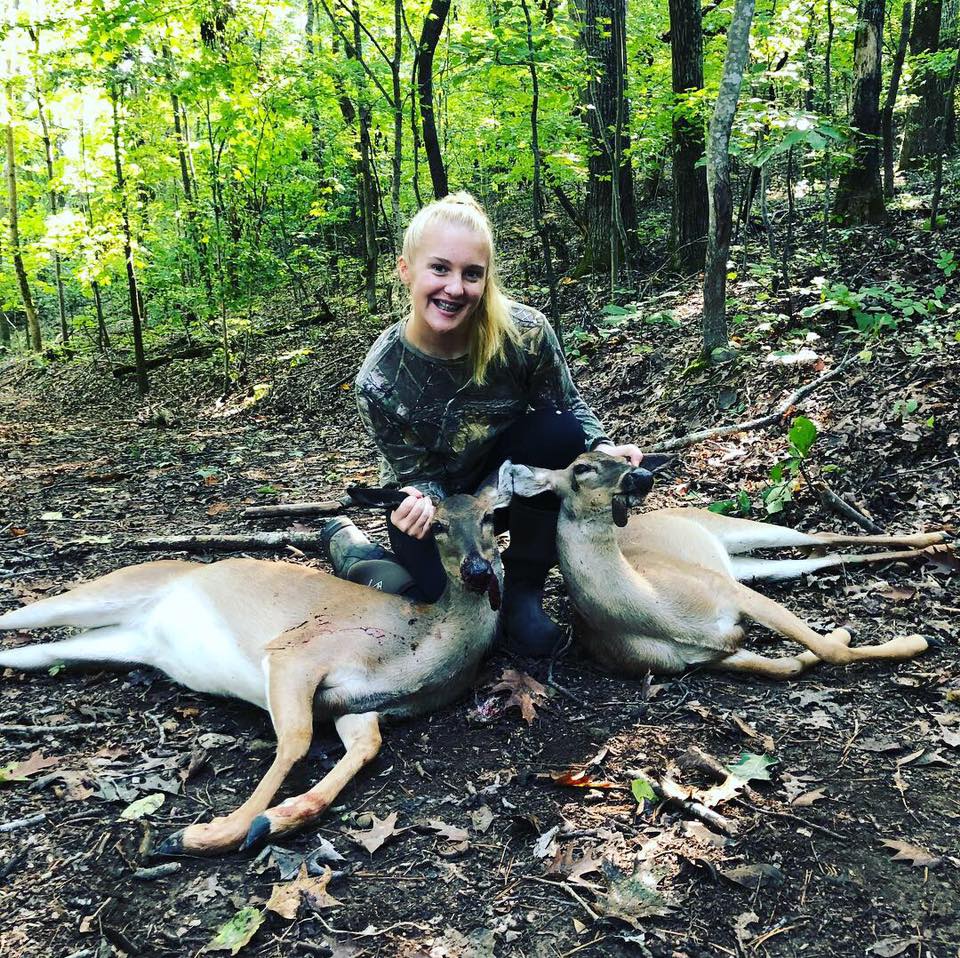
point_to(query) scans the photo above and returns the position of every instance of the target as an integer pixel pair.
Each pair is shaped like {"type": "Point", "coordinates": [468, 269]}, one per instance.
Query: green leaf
{"type": "Point", "coordinates": [642, 791]}
{"type": "Point", "coordinates": [237, 932]}
{"type": "Point", "coordinates": [751, 767]}
{"type": "Point", "coordinates": [143, 806]}
{"type": "Point", "coordinates": [802, 434]}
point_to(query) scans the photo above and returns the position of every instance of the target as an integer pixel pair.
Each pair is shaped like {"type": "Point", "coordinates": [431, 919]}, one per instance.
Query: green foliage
{"type": "Point", "coordinates": [740, 506]}
{"type": "Point", "coordinates": [785, 475]}
{"type": "Point", "coordinates": [947, 261]}
{"type": "Point", "coordinates": [875, 310]}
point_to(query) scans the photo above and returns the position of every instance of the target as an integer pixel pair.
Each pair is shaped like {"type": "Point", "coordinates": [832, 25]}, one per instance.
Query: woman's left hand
{"type": "Point", "coordinates": [629, 452]}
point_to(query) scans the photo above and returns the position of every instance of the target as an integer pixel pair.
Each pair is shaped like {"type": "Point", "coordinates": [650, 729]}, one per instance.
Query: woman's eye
{"type": "Point", "coordinates": [439, 268]}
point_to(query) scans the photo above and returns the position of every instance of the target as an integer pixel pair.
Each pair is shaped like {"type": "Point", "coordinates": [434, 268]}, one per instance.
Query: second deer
{"type": "Point", "coordinates": [664, 590]}
{"type": "Point", "coordinates": [296, 641]}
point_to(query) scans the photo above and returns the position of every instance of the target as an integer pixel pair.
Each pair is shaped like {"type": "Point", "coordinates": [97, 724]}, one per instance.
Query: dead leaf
{"type": "Point", "coordinates": [218, 508]}
{"type": "Point", "coordinates": [897, 593]}
{"type": "Point", "coordinates": [573, 869]}
{"type": "Point", "coordinates": [808, 798]}
{"type": "Point", "coordinates": [751, 732]}
{"type": "Point", "coordinates": [450, 832]}
{"type": "Point", "coordinates": [574, 779]}
{"type": "Point", "coordinates": [380, 831]}
{"type": "Point", "coordinates": [525, 692]}
{"type": "Point", "coordinates": [704, 835]}
{"type": "Point", "coordinates": [750, 876]}
{"type": "Point", "coordinates": [21, 771]}
{"type": "Point", "coordinates": [943, 558]}
{"type": "Point", "coordinates": [749, 768]}
{"type": "Point", "coordinates": [482, 819]}
{"type": "Point", "coordinates": [891, 947]}
{"type": "Point", "coordinates": [905, 852]}
{"type": "Point", "coordinates": [286, 897]}
{"type": "Point", "coordinates": [631, 897]}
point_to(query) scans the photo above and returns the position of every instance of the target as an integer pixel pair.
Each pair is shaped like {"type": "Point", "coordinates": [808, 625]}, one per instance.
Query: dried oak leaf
{"type": "Point", "coordinates": [451, 833]}
{"type": "Point", "coordinates": [525, 692]}
{"type": "Point", "coordinates": [286, 897]}
{"type": "Point", "coordinates": [905, 852]}
{"type": "Point", "coordinates": [21, 771]}
{"type": "Point", "coordinates": [566, 866]}
{"type": "Point", "coordinates": [631, 897]}
{"type": "Point", "coordinates": [380, 831]}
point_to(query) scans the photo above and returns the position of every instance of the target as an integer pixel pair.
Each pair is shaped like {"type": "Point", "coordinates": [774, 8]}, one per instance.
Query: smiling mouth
{"type": "Point", "coordinates": [446, 306]}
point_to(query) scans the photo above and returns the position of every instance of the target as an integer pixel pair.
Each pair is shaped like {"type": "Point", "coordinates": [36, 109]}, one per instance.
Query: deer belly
{"type": "Point", "coordinates": [197, 646]}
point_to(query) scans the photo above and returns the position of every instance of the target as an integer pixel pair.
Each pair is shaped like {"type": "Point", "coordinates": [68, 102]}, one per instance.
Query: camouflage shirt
{"type": "Point", "coordinates": [435, 427]}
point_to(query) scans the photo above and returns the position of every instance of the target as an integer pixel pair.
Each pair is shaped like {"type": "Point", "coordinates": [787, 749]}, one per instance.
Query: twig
{"type": "Point", "coordinates": [569, 890]}
{"type": "Point", "coordinates": [329, 507]}
{"type": "Point", "coordinates": [768, 420]}
{"type": "Point", "coordinates": [33, 729]}
{"type": "Point", "coordinates": [157, 871]}
{"type": "Point", "coordinates": [307, 541]}
{"type": "Point", "coordinates": [23, 822]}
{"type": "Point", "coordinates": [832, 501]}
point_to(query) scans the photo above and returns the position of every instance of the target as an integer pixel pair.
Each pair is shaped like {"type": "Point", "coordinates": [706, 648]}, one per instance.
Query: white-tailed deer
{"type": "Point", "coordinates": [296, 641]}
{"type": "Point", "coordinates": [662, 590]}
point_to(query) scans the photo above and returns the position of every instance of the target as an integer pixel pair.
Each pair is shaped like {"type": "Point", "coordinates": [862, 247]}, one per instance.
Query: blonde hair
{"type": "Point", "coordinates": [492, 324]}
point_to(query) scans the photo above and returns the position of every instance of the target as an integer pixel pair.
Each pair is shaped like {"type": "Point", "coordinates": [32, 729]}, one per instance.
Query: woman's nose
{"type": "Point", "coordinates": [454, 284]}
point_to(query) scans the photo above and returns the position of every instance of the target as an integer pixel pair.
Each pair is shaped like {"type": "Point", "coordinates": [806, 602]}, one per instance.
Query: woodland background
{"type": "Point", "coordinates": [741, 217]}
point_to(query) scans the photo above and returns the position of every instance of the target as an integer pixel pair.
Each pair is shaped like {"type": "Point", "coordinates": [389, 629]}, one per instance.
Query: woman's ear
{"type": "Point", "coordinates": [403, 270]}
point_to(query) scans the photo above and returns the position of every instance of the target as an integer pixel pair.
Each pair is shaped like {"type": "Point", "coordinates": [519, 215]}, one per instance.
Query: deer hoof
{"type": "Point", "coordinates": [257, 834]}
{"type": "Point", "coordinates": [171, 845]}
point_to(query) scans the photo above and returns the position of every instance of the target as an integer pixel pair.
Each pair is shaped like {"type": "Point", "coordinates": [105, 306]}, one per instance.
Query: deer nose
{"type": "Point", "coordinates": [475, 572]}
{"type": "Point", "coordinates": [637, 482]}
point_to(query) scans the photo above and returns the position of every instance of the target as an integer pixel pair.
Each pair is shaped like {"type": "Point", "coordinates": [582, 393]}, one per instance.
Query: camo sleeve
{"type": "Point", "coordinates": [404, 460]}
{"type": "Point", "coordinates": [551, 385]}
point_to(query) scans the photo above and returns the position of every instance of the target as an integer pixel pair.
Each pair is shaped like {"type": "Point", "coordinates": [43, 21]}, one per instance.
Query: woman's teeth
{"type": "Point", "coordinates": [445, 306]}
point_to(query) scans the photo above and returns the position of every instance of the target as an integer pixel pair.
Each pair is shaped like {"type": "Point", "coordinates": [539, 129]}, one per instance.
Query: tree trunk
{"type": "Point", "coordinates": [143, 384]}
{"type": "Point", "coordinates": [718, 179]}
{"type": "Point", "coordinates": [538, 221]}
{"type": "Point", "coordinates": [859, 197]}
{"type": "Point", "coordinates": [827, 112]}
{"type": "Point", "coordinates": [429, 38]}
{"type": "Point", "coordinates": [944, 142]}
{"type": "Point", "coordinates": [34, 338]}
{"type": "Point", "coordinates": [610, 208]}
{"type": "Point", "coordinates": [690, 216]}
{"type": "Point", "coordinates": [53, 198]}
{"type": "Point", "coordinates": [921, 140]}
{"type": "Point", "coordinates": [886, 118]}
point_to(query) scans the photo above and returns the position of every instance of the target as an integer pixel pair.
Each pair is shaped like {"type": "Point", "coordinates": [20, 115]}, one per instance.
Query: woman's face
{"type": "Point", "coordinates": [446, 278]}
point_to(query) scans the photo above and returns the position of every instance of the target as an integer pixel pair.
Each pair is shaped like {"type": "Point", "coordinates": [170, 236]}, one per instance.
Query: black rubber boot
{"type": "Point", "coordinates": [532, 553]}
{"type": "Point", "coordinates": [355, 558]}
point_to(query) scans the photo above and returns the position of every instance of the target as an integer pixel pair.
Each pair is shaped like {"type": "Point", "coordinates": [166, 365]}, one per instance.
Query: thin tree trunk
{"type": "Point", "coordinates": [827, 112]}
{"type": "Point", "coordinates": [538, 221]}
{"type": "Point", "coordinates": [143, 384]}
{"type": "Point", "coordinates": [886, 119]}
{"type": "Point", "coordinates": [34, 337]}
{"type": "Point", "coordinates": [52, 196]}
{"type": "Point", "coordinates": [942, 129]}
{"type": "Point", "coordinates": [859, 191]}
{"type": "Point", "coordinates": [718, 179]}
{"type": "Point", "coordinates": [429, 38]}
{"type": "Point", "coordinates": [690, 215]}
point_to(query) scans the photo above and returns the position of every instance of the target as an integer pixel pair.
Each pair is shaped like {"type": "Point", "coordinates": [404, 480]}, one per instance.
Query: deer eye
{"type": "Point", "coordinates": [582, 469]}
{"type": "Point", "coordinates": [439, 528]}
{"type": "Point", "coordinates": [487, 519]}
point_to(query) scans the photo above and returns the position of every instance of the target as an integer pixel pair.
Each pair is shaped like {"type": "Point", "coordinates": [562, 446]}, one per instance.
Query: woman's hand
{"type": "Point", "coordinates": [414, 515]}
{"type": "Point", "coordinates": [629, 452]}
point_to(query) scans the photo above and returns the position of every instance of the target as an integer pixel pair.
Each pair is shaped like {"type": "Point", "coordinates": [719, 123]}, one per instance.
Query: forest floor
{"type": "Point", "coordinates": [489, 853]}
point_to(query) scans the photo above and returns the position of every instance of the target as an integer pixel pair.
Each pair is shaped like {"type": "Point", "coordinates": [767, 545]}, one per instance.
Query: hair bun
{"type": "Point", "coordinates": [463, 198]}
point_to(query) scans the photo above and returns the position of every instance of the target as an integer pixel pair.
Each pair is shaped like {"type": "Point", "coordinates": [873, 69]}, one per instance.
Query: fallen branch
{"type": "Point", "coordinates": [286, 510]}
{"type": "Point", "coordinates": [128, 369]}
{"type": "Point", "coordinates": [306, 541]}
{"type": "Point", "coordinates": [668, 789]}
{"type": "Point", "coordinates": [834, 503]}
{"type": "Point", "coordinates": [34, 729]}
{"type": "Point", "coordinates": [694, 437]}
{"type": "Point", "coordinates": [19, 823]}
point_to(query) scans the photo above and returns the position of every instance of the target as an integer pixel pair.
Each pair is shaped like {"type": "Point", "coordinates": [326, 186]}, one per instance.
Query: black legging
{"type": "Point", "coordinates": [545, 438]}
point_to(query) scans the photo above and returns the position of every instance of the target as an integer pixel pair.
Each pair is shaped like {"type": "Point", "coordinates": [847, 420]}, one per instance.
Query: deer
{"type": "Point", "coordinates": [296, 641]}
{"type": "Point", "coordinates": [664, 590]}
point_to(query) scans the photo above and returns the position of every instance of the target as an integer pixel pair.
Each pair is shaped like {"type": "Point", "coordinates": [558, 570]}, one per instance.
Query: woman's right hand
{"type": "Point", "coordinates": [414, 515]}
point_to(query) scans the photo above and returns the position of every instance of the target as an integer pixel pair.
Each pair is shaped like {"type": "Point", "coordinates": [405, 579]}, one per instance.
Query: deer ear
{"type": "Point", "coordinates": [371, 497]}
{"type": "Point", "coordinates": [517, 480]}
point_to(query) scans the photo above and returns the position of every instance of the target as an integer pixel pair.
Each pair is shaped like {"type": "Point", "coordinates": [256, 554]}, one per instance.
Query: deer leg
{"type": "Point", "coordinates": [290, 695]}
{"type": "Point", "coordinates": [360, 735]}
{"type": "Point", "coordinates": [779, 667]}
{"type": "Point", "coordinates": [919, 541]}
{"type": "Point", "coordinates": [746, 569]}
{"type": "Point", "coordinates": [111, 644]}
{"type": "Point", "coordinates": [831, 648]}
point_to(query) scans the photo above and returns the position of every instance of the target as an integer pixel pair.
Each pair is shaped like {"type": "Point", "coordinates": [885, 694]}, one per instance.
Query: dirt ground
{"type": "Point", "coordinates": [490, 854]}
